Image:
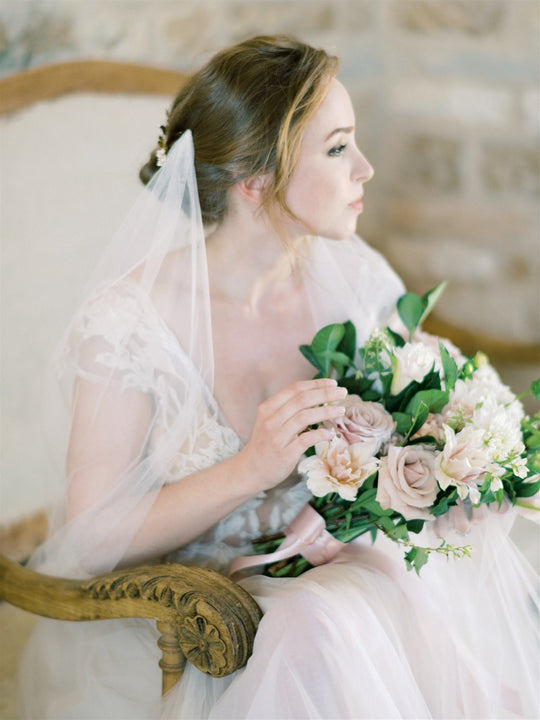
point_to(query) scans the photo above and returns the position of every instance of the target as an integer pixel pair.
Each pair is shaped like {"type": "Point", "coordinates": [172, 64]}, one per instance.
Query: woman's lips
{"type": "Point", "coordinates": [357, 205]}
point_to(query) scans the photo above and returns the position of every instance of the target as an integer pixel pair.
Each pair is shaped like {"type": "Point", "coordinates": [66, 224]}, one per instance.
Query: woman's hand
{"type": "Point", "coordinates": [281, 435]}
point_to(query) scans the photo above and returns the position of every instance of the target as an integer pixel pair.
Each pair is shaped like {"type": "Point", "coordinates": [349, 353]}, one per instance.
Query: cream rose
{"type": "Point", "coordinates": [363, 421]}
{"type": "Point", "coordinates": [463, 462]}
{"type": "Point", "coordinates": [339, 467]}
{"type": "Point", "coordinates": [407, 482]}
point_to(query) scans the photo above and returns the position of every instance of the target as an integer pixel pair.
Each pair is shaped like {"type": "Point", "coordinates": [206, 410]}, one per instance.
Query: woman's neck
{"type": "Point", "coordinates": [250, 264]}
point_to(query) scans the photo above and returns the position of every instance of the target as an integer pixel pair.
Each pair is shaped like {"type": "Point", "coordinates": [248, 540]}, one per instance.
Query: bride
{"type": "Point", "coordinates": [190, 407]}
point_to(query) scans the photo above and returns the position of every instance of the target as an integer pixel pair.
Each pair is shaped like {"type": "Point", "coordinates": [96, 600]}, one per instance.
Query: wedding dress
{"type": "Point", "coordinates": [357, 638]}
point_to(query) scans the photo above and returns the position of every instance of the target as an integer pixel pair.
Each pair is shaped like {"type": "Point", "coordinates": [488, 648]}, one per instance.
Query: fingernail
{"type": "Point", "coordinates": [342, 391]}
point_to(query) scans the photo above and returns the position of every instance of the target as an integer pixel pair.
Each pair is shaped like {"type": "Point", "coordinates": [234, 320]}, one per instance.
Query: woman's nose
{"type": "Point", "coordinates": [362, 170]}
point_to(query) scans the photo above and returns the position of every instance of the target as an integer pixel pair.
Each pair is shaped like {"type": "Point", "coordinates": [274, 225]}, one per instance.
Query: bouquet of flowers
{"type": "Point", "coordinates": [425, 430]}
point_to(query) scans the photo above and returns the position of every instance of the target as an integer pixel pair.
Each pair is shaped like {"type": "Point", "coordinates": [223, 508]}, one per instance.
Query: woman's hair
{"type": "Point", "coordinates": [247, 109]}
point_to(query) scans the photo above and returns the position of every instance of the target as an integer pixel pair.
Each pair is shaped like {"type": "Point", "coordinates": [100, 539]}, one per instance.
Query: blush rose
{"type": "Point", "coordinates": [407, 481]}
{"type": "Point", "coordinates": [363, 421]}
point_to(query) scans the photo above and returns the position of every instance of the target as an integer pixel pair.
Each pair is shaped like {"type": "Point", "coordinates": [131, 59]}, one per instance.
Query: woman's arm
{"type": "Point", "coordinates": [111, 429]}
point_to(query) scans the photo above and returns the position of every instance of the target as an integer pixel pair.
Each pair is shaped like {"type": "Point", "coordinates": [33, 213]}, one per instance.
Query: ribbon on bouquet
{"type": "Point", "coordinates": [306, 535]}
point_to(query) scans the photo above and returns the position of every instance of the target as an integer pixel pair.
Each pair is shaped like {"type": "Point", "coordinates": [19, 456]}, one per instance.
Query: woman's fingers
{"type": "Point", "coordinates": [299, 407]}
{"type": "Point", "coordinates": [303, 394]}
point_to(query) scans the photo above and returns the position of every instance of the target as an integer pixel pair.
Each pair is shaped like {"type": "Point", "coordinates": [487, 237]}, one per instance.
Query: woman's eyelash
{"type": "Point", "coordinates": [337, 150]}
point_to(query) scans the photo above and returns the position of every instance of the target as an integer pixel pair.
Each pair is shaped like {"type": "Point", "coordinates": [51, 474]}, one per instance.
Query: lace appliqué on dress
{"type": "Point", "coordinates": [120, 338]}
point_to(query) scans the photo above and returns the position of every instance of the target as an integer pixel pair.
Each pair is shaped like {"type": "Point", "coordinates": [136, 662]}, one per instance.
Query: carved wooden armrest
{"type": "Point", "coordinates": [202, 616]}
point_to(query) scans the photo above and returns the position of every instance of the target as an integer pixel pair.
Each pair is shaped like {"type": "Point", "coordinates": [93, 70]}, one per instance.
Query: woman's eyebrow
{"type": "Point", "coordinates": [339, 130]}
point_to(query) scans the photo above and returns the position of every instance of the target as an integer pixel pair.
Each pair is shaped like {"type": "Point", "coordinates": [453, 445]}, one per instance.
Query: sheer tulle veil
{"type": "Point", "coordinates": [154, 266]}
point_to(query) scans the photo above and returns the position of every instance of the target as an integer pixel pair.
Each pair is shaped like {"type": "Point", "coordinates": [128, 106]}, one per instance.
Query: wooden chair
{"type": "Point", "coordinates": [202, 616]}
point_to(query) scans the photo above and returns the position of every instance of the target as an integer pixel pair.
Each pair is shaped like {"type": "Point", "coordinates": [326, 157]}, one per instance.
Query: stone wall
{"type": "Point", "coordinates": [447, 101]}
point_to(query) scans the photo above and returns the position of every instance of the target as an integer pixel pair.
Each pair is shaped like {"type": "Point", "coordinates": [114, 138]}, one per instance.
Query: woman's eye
{"type": "Point", "coordinates": [337, 150]}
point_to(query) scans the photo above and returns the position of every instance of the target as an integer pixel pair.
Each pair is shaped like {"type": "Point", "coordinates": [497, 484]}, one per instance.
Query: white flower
{"type": "Point", "coordinates": [411, 362]}
{"type": "Point", "coordinates": [339, 467]}
{"type": "Point", "coordinates": [518, 466]}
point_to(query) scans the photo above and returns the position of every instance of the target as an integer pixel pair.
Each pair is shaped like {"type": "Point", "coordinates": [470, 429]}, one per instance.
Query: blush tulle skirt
{"type": "Point", "coordinates": [360, 638]}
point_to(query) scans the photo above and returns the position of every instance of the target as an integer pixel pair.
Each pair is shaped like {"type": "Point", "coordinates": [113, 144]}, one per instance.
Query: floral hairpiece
{"type": "Point", "coordinates": [161, 152]}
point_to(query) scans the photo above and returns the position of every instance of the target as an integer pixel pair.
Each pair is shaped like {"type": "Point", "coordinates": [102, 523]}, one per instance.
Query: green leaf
{"type": "Point", "coordinates": [310, 356]}
{"type": "Point", "coordinates": [431, 381]}
{"type": "Point", "coordinates": [396, 337]}
{"type": "Point", "coordinates": [404, 422]}
{"type": "Point", "coordinates": [444, 504]}
{"type": "Point", "coordinates": [535, 388]}
{"type": "Point", "coordinates": [416, 558]}
{"type": "Point", "coordinates": [415, 526]}
{"type": "Point", "coordinates": [435, 400]}
{"type": "Point", "coordinates": [338, 360]}
{"type": "Point", "coordinates": [398, 532]}
{"type": "Point", "coordinates": [410, 308]}
{"type": "Point", "coordinates": [450, 368]}
{"type": "Point", "coordinates": [419, 418]}
{"type": "Point", "coordinates": [348, 343]}
{"type": "Point", "coordinates": [528, 489]}
{"type": "Point", "coordinates": [431, 298]}
{"type": "Point", "coordinates": [328, 338]}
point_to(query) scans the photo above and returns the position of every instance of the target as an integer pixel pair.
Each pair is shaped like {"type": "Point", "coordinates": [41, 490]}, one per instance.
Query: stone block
{"type": "Point", "coordinates": [453, 102]}
{"type": "Point", "coordinates": [252, 17]}
{"type": "Point", "coordinates": [468, 17]}
{"type": "Point", "coordinates": [188, 33]}
{"type": "Point", "coordinates": [432, 163]}
{"type": "Point", "coordinates": [356, 15]}
{"type": "Point", "coordinates": [510, 168]}
{"type": "Point", "coordinates": [530, 104]}
{"type": "Point", "coordinates": [448, 259]}
{"type": "Point", "coordinates": [47, 32]}
{"type": "Point", "coordinates": [4, 39]}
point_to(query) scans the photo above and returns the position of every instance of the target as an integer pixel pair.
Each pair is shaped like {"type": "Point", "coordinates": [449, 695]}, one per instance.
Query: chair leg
{"type": "Point", "coordinates": [173, 660]}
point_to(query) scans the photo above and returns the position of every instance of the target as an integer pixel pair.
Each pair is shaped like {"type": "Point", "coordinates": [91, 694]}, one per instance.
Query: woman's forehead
{"type": "Point", "coordinates": [335, 113]}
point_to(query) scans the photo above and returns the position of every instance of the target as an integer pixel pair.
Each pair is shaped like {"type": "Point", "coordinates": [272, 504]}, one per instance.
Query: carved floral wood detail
{"type": "Point", "coordinates": [201, 615]}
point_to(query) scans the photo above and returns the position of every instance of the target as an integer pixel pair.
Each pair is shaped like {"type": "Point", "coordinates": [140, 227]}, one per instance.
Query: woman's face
{"type": "Point", "coordinates": [326, 189]}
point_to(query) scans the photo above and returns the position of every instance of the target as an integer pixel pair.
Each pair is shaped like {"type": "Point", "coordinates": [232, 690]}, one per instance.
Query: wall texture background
{"type": "Point", "coordinates": [447, 100]}
{"type": "Point", "coordinates": [447, 96]}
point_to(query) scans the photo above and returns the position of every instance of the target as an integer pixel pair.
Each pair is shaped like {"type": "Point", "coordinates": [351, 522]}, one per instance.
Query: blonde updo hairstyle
{"type": "Point", "coordinates": [247, 110]}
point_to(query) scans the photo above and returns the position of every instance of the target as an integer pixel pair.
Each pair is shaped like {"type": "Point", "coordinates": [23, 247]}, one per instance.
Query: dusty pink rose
{"type": "Point", "coordinates": [407, 482]}
{"type": "Point", "coordinates": [364, 421]}
{"type": "Point", "coordinates": [339, 467]}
